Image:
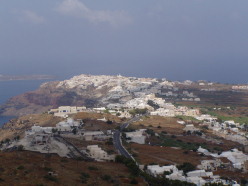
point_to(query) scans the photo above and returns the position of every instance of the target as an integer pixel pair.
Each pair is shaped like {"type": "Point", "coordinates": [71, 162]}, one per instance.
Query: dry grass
{"type": "Point", "coordinates": [27, 168]}
{"type": "Point", "coordinates": [18, 126]}
{"type": "Point", "coordinates": [164, 155]}
{"type": "Point", "coordinates": [234, 175]}
{"type": "Point", "coordinates": [82, 144]}
{"type": "Point", "coordinates": [91, 115]}
{"type": "Point", "coordinates": [159, 124]}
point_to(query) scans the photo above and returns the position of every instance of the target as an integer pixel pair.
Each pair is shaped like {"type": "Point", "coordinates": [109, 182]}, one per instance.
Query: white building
{"type": "Point", "coordinates": [156, 170]}
{"type": "Point", "coordinates": [99, 154]}
{"type": "Point", "coordinates": [67, 126]}
{"type": "Point", "coordinates": [210, 164]}
{"type": "Point", "coordinates": [63, 111]}
{"type": "Point", "coordinates": [137, 136]}
{"type": "Point", "coordinates": [39, 129]}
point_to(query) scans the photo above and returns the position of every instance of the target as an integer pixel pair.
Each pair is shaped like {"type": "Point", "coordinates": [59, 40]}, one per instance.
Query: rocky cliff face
{"type": "Point", "coordinates": [81, 90]}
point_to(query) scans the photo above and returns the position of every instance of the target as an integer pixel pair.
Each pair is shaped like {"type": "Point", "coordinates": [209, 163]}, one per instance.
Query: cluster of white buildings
{"type": "Point", "coordinates": [176, 111]}
{"type": "Point", "coordinates": [238, 159]}
{"type": "Point", "coordinates": [119, 91]}
{"type": "Point", "coordinates": [198, 177]}
{"type": "Point", "coordinates": [227, 129]}
{"type": "Point", "coordinates": [67, 126]}
{"type": "Point", "coordinates": [241, 87]}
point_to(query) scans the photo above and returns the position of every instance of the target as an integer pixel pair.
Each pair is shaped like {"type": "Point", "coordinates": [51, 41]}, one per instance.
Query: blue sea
{"type": "Point", "coordinates": [9, 89]}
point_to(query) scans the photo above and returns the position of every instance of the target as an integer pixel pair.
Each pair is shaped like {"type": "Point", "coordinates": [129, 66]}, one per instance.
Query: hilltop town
{"type": "Point", "coordinates": [160, 132]}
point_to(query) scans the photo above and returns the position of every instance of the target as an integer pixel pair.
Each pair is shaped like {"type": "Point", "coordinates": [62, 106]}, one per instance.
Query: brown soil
{"type": "Point", "coordinates": [18, 126]}
{"type": "Point", "coordinates": [28, 168]}
{"type": "Point", "coordinates": [159, 124]}
{"type": "Point", "coordinates": [147, 154]}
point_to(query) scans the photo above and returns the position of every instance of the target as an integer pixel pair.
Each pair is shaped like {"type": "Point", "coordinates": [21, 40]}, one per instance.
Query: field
{"type": "Point", "coordinates": [17, 127]}
{"type": "Point", "coordinates": [146, 154]}
{"type": "Point", "coordinates": [89, 115]}
{"type": "Point", "coordinates": [16, 169]}
{"type": "Point", "coordinates": [159, 124]}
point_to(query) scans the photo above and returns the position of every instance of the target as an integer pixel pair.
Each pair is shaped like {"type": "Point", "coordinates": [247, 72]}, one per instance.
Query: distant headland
{"type": "Point", "coordinates": [24, 77]}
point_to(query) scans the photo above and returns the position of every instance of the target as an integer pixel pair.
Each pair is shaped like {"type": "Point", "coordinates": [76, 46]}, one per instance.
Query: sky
{"type": "Point", "coordinates": [173, 39]}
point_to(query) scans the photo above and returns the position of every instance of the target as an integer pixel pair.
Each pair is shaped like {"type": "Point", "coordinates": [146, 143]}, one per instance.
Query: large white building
{"type": "Point", "coordinates": [63, 111]}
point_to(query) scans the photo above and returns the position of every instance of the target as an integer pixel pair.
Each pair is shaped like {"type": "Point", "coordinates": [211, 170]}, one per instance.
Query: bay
{"type": "Point", "coordinates": [9, 89]}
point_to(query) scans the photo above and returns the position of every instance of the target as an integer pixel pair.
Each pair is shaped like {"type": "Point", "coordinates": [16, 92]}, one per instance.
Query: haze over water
{"type": "Point", "coordinates": [173, 39]}
{"type": "Point", "coordinates": [9, 89]}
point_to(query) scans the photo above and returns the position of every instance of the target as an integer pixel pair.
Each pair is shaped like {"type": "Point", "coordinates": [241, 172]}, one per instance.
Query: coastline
{"type": "Point", "coordinates": [5, 119]}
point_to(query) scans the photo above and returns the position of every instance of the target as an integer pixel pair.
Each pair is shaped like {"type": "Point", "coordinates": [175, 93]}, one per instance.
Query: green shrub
{"type": "Point", "coordinates": [21, 167]}
{"type": "Point", "coordinates": [51, 178]}
{"type": "Point", "coordinates": [84, 177]}
{"type": "Point", "coordinates": [186, 167]}
{"type": "Point", "coordinates": [134, 181]}
{"type": "Point", "coordinates": [48, 169]}
{"type": "Point", "coordinates": [92, 168]}
{"type": "Point", "coordinates": [106, 177]}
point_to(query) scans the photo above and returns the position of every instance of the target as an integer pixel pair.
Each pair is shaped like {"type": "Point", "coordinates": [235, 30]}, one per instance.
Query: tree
{"type": "Point", "coordinates": [186, 167]}
{"type": "Point", "coordinates": [109, 122]}
{"type": "Point", "coordinates": [54, 130]}
{"type": "Point", "coordinates": [74, 131]}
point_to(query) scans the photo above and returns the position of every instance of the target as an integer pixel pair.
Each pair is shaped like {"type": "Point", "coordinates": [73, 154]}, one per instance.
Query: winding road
{"type": "Point", "coordinates": [117, 138]}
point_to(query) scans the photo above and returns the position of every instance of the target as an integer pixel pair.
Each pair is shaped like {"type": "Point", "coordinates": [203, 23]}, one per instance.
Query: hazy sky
{"type": "Point", "coordinates": [176, 39]}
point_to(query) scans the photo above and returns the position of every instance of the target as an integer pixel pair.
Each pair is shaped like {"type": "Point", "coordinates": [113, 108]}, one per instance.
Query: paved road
{"type": "Point", "coordinates": [118, 145]}
{"type": "Point", "coordinates": [117, 138]}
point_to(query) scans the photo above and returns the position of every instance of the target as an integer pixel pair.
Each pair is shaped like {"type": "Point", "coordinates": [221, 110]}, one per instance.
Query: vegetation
{"type": "Point", "coordinates": [84, 177]}
{"type": "Point", "coordinates": [134, 181]}
{"type": "Point", "coordinates": [240, 119]}
{"type": "Point", "coordinates": [51, 178]}
{"type": "Point", "coordinates": [186, 167]}
{"type": "Point", "coordinates": [92, 168]}
{"type": "Point", "coordinates": [106, 177]}
{"type": "Point", "coordinates": [185, 118]}
{"type": "Point", "coordinates": [54, 130]}
{"type": "Point", "coordinates": [153, 104]}
{"type": "Point", "coordinates": [150, 132]}
{"type": "Point", "coordinates": [21, 167]}
{"type": "Point", "coordinates": [164, 181]}
{"type": "Point", "coordinates": [133, 168]}
{"type": "Point", "coordinates": [214, 184]}
{"type": "Point", "coordinates": [137, 111]}
{"type": "Point", "coordinates": [17, 138]}
{"type": "Point", "coordinates": [109, 122]}
{"type": "Point", "coordinates": [173, 142]}
{"type": "Point", "coordinates": [20, 148]}
{"type": "Point", "coordinates": [135, 171]}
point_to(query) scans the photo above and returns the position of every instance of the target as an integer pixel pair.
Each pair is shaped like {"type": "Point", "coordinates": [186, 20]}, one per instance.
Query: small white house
{"type": "Point", "coordinates": [156, 170]}
{"type": "Point", "coordinates": [137, 136]}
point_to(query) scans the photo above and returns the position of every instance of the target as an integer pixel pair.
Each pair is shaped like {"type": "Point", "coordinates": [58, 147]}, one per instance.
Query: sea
{"type": "Point", "coordinates": [9, 89]}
